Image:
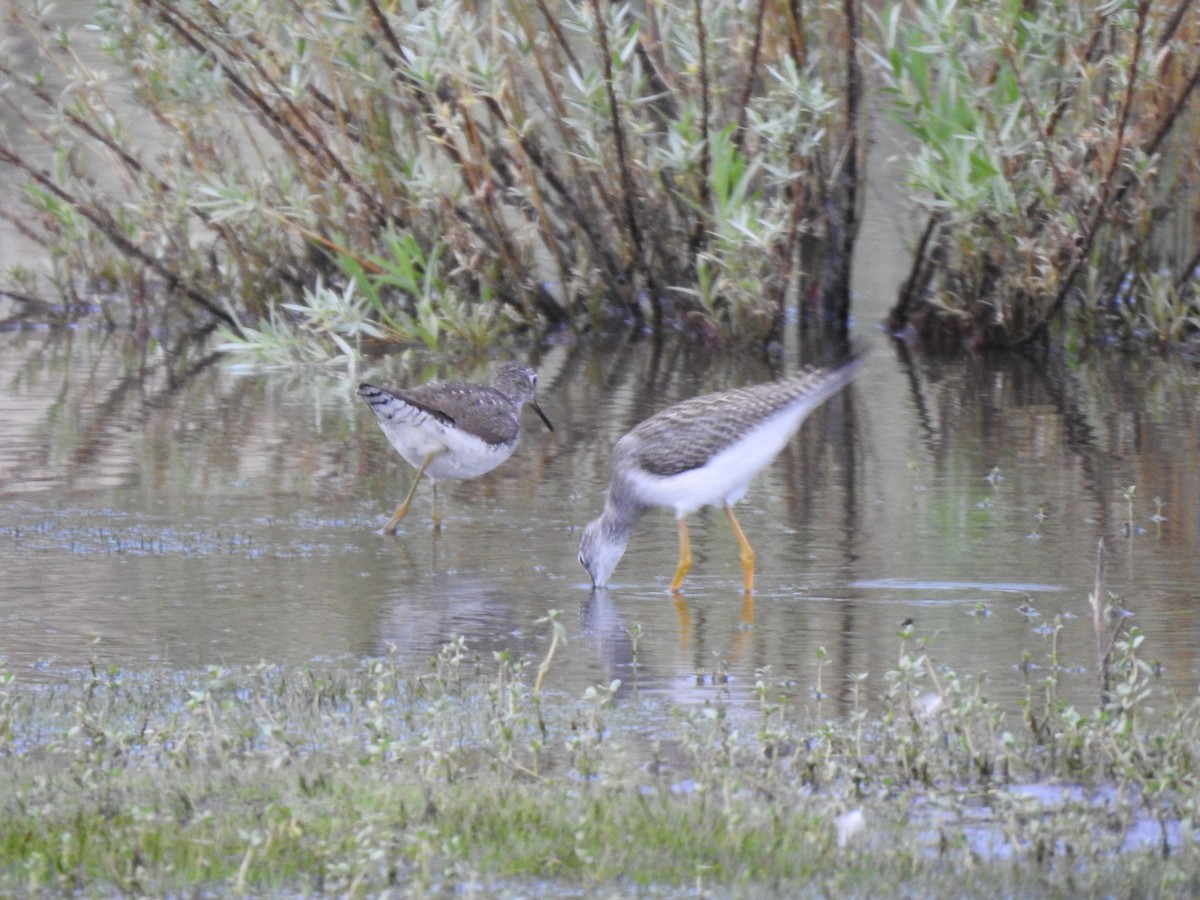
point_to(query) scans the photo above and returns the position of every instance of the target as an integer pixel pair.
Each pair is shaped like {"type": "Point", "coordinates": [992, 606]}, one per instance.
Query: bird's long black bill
{"type": "Point", "coordinates": [537, 409]}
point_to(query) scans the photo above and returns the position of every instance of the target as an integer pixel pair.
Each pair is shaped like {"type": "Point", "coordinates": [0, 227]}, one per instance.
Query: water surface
{"type": "Point", "coordinates": [160, 509]}
{"type": "Point", "coordinates": [177, 513]}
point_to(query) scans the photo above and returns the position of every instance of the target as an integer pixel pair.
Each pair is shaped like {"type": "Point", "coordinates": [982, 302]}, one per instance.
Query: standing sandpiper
{"type": "Point", "coordinates": [453, 430]}
{"type": "Point", "coordinates": [702, 452]}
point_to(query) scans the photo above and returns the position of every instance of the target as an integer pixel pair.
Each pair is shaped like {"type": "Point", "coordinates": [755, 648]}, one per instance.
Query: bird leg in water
{"type": "Point", "coordinates": [685, 555]}
{"type": "Point", "coordinates": [684, 617]}
{"type": "Point", "coordinates": [402, 509]}
{"type": "Point", "coordinates": [747, 609]}
{"type": "Point", "coordinates": [746, 555]}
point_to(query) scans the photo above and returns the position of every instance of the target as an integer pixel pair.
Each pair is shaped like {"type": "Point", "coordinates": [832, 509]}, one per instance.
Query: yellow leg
{"type": "Point", "coordinates": [685, 555]}
{"type": "Point", "coordinates": [745, 628]}
{"type": "Point", "coordinates": [747, 554]}
{"type": "Point", "coordinates": [747, 610]}
{"type": "Point", "coordinates": [402, 509]}
{"type": "Point", "coordinates": [436, 513]}
{"type": "Point", "coordinates": [685, 620]}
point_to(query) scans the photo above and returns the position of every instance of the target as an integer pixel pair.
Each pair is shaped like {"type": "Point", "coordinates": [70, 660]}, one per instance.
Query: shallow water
{"type": "Point", "coordinates": [159, 508]}
{"type": "Point", "coordinates": [187, 515]}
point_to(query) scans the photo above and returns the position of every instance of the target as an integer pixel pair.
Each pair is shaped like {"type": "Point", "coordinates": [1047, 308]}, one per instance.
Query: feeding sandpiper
{"type": "Point", "coordinates": [702, 452]}
{"type": "Point", "coordinates": [453, 430]}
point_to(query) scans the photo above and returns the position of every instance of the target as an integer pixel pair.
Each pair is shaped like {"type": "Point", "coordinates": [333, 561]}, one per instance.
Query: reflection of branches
{"type": "Point", "coordinates": [1028, 382]}
{"type": "Point", "coordinates": [101, 424]}
{"type": "Point", "coordinates": [919, 402]}
{"type": "Point", "coordinates": [1080, 435]}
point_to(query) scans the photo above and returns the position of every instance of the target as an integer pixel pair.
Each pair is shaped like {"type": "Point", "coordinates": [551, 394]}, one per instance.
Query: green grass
{"type": "Point", "coordinates": [356, 778]}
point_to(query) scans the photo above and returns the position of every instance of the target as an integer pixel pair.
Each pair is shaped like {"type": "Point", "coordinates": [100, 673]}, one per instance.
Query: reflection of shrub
{"type": "Point", "coordinates": [1054, 163]}
{"type": "Point", "coordinates": [467, 170]}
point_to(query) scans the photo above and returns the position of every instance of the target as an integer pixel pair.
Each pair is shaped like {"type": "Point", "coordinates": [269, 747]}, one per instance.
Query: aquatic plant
{"type": "Point", "coordinates": [358, 776]}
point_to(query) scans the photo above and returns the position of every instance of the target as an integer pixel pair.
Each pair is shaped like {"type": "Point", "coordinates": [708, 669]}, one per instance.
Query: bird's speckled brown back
{"type": "Point", "coordinates": [490, 412]}
{"type": "Point", "coordinates": [686, 435]}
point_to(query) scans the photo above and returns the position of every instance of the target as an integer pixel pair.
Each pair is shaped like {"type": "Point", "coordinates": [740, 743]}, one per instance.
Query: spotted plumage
{"type": "Point", "coordinates": [701, 452]}
{"type": "Point", "coordinates": [454, 430]}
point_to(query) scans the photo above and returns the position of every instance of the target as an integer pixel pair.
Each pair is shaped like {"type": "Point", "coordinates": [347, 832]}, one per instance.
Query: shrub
{"type": "Point", "coordinates": [463, 170]}
{"type": "Point", "coordinates": [1054, 164]}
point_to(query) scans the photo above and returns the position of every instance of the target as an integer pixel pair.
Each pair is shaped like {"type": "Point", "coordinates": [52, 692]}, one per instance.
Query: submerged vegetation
{"type": "Point", "coordinates": [356, 779]}
{"type": "Point", "coordinates": [316, 177]}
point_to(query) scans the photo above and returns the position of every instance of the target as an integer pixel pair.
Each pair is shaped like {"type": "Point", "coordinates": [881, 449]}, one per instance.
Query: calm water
{"type": "Point", "coordinates": [177, 513]}
{"type": "Point", "coordinates": [186, 515]}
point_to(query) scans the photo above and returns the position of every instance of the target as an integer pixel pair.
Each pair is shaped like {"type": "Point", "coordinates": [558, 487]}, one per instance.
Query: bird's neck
{"type": "Point", "coordinates": [622, 509]}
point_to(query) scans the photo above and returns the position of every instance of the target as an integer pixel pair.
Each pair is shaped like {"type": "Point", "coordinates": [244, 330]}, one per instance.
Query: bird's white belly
{"type": "Point", "coordinates": [459, 453]}
{"type": "Point", "coordinates": [726, 476]}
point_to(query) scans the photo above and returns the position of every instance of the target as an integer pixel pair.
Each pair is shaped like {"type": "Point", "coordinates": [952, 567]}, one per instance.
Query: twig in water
{"type": "Point", "coordinates": [1104, 640]}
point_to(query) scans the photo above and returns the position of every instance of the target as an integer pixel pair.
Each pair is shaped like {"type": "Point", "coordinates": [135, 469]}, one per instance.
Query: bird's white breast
{"type": "Point", "coordinates": [416, 434]}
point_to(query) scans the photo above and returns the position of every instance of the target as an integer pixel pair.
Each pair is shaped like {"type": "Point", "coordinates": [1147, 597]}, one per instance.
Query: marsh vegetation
{"type": "Point", "coordinates": [314, 177]}
{"type": "Point", "coordinates": [321, 182]}
{"type": "Point", "coordinates": [478, 775]}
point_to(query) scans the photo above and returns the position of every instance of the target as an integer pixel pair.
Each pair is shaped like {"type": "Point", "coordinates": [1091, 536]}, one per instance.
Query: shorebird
{"type": "Point", "coordinates": [451, 429]}
{"type": "Point", "coordinates": [702, 452]}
